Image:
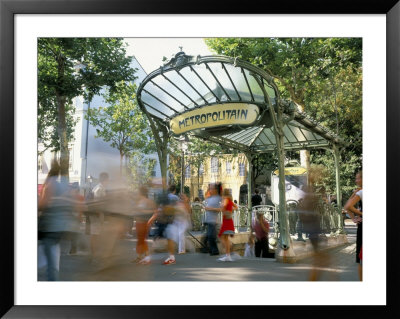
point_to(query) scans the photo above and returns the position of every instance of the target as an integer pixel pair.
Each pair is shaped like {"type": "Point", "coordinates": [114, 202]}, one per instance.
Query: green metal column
{"type": "Point", "coordinates": [277, 119]}
{"type": "Point", "coordinates": [284, 239]}
{"type": "Point", "coordinates": [249, 187]}
{"type": "Point", "coordinates": [336, 155]}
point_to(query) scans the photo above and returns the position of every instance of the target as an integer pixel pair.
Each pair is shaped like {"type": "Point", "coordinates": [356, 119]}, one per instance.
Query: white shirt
{"type": "Point", "coordinates": [99, 191]}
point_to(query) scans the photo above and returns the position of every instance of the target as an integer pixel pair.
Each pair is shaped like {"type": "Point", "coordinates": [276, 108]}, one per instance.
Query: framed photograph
{"type": "Point", "coordinates": [23, 22]}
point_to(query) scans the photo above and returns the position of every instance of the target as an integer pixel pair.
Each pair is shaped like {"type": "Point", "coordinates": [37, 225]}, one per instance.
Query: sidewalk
{"type": "Point", "coordinates": [195, 266]}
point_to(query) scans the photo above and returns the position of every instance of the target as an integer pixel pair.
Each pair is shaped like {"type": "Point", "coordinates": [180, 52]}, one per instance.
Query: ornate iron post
{"type": "Point", "coordinates": [336, 155]}
{"type": "Point", "coordinates": [278, 123]}
{"type": "Point", "coordinates": [249, 157]}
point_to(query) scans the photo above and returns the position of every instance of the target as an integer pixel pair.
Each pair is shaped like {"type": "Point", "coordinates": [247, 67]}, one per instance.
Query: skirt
{"type": "Point", "coordinates": [227, 227]}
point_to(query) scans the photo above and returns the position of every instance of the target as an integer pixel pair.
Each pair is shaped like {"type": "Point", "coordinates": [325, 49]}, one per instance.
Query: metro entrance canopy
{"type": "Point", "coordinates": [232, 103]}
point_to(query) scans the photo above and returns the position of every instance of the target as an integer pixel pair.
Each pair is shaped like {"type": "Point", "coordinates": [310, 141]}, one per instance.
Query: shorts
{"type": "Point", "coordinates": [171, 232]}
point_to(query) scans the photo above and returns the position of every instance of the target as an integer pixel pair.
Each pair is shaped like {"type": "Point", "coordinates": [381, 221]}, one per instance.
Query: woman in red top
{"type": "Point", "coordinates": [227, 228]}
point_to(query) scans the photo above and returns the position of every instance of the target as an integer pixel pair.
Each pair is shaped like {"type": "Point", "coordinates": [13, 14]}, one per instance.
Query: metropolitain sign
{"type": "Point", "coordinates": [215, 115]}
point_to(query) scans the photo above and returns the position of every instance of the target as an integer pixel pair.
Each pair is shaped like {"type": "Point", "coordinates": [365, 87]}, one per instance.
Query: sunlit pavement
{"type": "Point", "coordinates": [202, 267]}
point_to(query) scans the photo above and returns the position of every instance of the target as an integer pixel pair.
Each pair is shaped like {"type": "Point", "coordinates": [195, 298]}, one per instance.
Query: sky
{"type": "Point", "coordinates": [149, 52]}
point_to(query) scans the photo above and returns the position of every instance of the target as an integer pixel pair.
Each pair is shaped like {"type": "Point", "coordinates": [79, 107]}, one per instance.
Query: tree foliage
{"type": "Point", "coordinates": [140, 170]}
{"type": "Point", "coordinates": [122, 123]}
{"type": "Point", "coordinates": [72, 67]}
{"type": "Point", "coordinates": [323, 76]}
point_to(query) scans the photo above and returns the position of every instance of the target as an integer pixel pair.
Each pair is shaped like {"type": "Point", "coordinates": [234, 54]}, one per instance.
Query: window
{"type": "Point", "coordinates": [242, 169]}
{"type": "Point", "coordinates": [187, 171]}
{"type": "Point", "coordinates": [228, 168]}
{"type": "Point", "coordinates": [201, 169]}
{"type": "Point", "coordinates": [214, 165]}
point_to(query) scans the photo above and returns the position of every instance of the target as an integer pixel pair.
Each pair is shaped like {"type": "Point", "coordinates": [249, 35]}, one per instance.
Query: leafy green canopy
{"type": "Point", "coordinates": [122, 123]}
{"type": "Point", "coordinates": [323, 76]}
{"type": "Point", "coordinates": [72, 67]}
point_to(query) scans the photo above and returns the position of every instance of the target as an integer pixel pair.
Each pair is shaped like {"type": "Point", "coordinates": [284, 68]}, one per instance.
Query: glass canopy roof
{"type": "Point", "coordinates": [227, 101]}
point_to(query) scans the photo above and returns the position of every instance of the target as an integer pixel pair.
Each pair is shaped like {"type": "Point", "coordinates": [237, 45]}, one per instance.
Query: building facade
{"type": "Point", "coordinates": [231, 171]}
{"type": "Point", "coordinates": [89, 156]}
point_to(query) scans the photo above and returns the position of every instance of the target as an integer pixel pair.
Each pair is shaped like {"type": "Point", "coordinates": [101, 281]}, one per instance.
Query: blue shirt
{"type": "Point", "coordinates": [215, 202]}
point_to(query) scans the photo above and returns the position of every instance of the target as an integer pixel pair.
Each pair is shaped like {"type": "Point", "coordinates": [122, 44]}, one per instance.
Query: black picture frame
{"type": "Point", "coordinates": [8, 10]}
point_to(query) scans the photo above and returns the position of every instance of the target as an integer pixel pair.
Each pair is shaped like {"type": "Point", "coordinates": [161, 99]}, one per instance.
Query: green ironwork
{"type": "Point", "coordinates": [186, 83]}
{"type": "Point", "coordinates": [336, 155]}
{"type": "Point", "coordinates": [249, 186]}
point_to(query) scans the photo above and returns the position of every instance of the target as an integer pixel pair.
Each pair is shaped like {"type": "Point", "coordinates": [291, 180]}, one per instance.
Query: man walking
{"type": "Point", "coordinates": [172, 228]}
{"type": "Point", "coordinates": [213, 208]}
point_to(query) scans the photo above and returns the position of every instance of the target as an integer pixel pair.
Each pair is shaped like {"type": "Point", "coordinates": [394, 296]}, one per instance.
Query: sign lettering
{"type": "Point", "coordinates": [215, 115]}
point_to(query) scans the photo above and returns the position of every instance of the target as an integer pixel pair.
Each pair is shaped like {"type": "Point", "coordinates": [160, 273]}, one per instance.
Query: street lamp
{"type": "Point", "coordinates": [183, 141]}
{"type": "Point", "coordinates": [90, 179]}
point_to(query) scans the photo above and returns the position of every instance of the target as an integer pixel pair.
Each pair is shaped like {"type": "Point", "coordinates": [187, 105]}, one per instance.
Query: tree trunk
{"type": "Point", "coordinates": [162, 155]}
{"type": "Point", "coordinates": [62, 133]}
{"type": "Point", "coordinates": [162, 147]}
{"type": "Point", "coordinates": [62, 125]}
{"type": "Point", "coordinates": [304, 154]}
{"type": "Point", "coordinates": [121, 159]}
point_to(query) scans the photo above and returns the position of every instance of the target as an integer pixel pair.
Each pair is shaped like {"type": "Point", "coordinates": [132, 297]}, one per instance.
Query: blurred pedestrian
{"type": "Point", "coordinates": [79, 209]}
{"type": "Point", "coordinates": [183, 219]}
{"type": "Point", "coordinates": [212, 208]}
{"type": "Point", "coordinates": [55, 218]}
{"type": "Point", "coordinates": [249, 247]}
{"type": "Point", "coordinates": [356, 215]}
{"type": "Point", "coordinates": [118, 210]}
{"type": "Point", "coordinates": [165, 221]}
{"type": "Point", "coordinates": [97, 218]}
{"type": "Point", "coordinates": [171, 230]}
{"type": "Point", "coordinates": [236, 216]}
{"type": "Point", "coordinates": [145, 209]}
{"type": "Point", "coordinates": [227, 228]}
{"type": "Point", "coordinates": [310, 216]}
{"type": "Point", "coordinates": [261, 229]}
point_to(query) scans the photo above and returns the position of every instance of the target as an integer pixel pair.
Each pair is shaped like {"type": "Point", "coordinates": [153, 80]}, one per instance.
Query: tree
{"type": "Point", "coordinates": [71, 67]}
{"type": "Point", "coordinates": [199, 150]}
{"type": "Point", "coordinates": [262, 163]}
{"type": "Point", "coordinates": [323, 76]}
{"type": "Point", "coordinates": [122, 123]}
{"type": "Point", "coordinates": [140, 170]}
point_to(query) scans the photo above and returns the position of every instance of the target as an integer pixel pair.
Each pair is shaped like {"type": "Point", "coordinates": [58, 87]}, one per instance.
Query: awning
{"type": "Point", "coordinates": [227, 101]}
